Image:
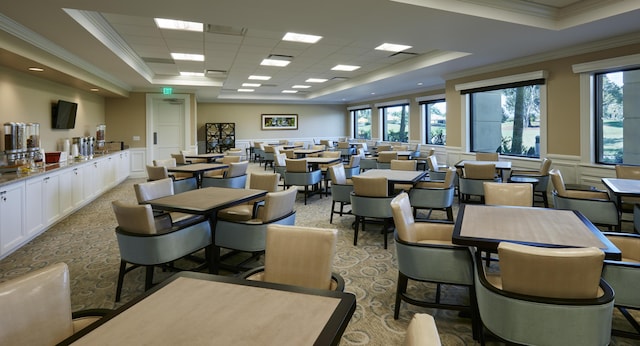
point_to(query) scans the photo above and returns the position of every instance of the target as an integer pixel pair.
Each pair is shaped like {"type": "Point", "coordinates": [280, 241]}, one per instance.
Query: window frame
{"type": "Point", "coordinates": [382, 109]}
{"type": "Point", "coordinates": [353, 112]}
{"type": "Point", "coordinates": [427, 121]}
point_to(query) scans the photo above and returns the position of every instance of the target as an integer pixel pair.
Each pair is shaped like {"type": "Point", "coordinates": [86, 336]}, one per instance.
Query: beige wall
{"type": "Point", "coordinates": [26, 98]}
{"type": "Point", "coordinates": [314, 121]}
{"type": "Point", "coordinates": [126, 118]}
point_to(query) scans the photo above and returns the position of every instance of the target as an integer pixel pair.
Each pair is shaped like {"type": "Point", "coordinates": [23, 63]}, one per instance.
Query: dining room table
{"type": "Point", "coordinates": [202, 309]}
{"type": "Point", "coordinates": [502, 166]}
{"type": "Point", "coordinates": [207, 202]}
{"type": "Point", "coordinates": [622, 188]}
{"type": "Point", "coordinates": [315, 162]}
{"type": "Point", "coordinates": [210, 157]}
{"type": "Point", "coordinates": [198, 169]}
{"type": "Point", "coordinates": [485, 227]}
{"type": "Point", "coordinates": [395, 176]}
{"type": "Point", "coordinates": [300, 153]}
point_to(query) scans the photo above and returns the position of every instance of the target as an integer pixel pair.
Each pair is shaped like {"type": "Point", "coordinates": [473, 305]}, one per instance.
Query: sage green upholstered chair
{"type": "Point", "coordinates": [235, 177]}
{"type": "Point", "coordinates": [474, 175]}
{"type": "Point", "coordinates": [434, 195]}
{"type": "Point", "coordinates": [248, 211]}
{"type": "Point", "coordinates": [541, 174]}
{"type": "Point", "coordinates": [384, 159]}
{"type": "Point", "coordinates": [298, 173]}
{"type": "Point", "coordinates": [341, 189]}
{"type": "Point", "coordinates": [162, 188]}
{"type": "Point", "coordinates": [353, 167]}
{"type": "Point", "coordinates": [370, 201]}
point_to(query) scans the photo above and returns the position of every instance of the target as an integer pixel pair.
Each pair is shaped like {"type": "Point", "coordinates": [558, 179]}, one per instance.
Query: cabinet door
{"type": "Point", "coordinates": [50, 198]}
{"type": "Point", "coordinates": [92, 180]}
{"type": "Point", "coordinates": [77, 187]}
{"type": "Point", "coordinates": [35, 222]}
{"type": "Point", "coordinates": [66, 191]}
{"type": "Point", "coordinates": [12, 208]}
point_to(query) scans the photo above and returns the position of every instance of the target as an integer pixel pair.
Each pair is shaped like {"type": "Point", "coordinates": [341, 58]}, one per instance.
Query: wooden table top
{"type": "Point", "coordinates": [201, 309]}
{"type": "Point", "coordinates": [485, 226]}
{"type": "Point", "coordinates": [394, 175]}
{"type": "Point", "coordinates": [206, 200]}
{"type": "Point", "coordinates": [307, 151]}
{"type": "Point", "coordinates": [499, 164]}
{"type": "Point", "coordinates": [625, 187]}
{"type": "Point", "coordinates": [325, 160]}
{"type": "Point", "coordinates": [197, 167]}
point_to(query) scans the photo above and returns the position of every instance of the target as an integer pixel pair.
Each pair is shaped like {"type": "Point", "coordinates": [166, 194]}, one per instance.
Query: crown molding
{"type": "Point", "coordinates": [616, 63]}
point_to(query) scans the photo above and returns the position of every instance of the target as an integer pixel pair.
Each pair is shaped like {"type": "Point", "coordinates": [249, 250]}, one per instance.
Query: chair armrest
{"type": "Point", "coordinates": [91, 312]}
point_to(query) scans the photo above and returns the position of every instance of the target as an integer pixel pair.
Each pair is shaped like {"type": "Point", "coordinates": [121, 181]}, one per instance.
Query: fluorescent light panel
{"type": "Point", "coordinates": [191, 74]}
{"type": "Point", "coordinates": [188, 57]}
{"type": "Point", "coordinates": [275, 62]}
{"type": "Point", "coordinates": [316, 80]}
{"type": "Point", "coordinates": [289, 91]}
{"type": "Point", "coordinates": [245, 90]}
{"type": "Point", "coordinates": [251, 85]}
{"type": "Point", "coordinates": [173, 24]}
{"type": "Point", "coordinates": [295, 37]}
{"type": "Point", "coordinates": [298, 86]}
{"type": "Point", "coordinates": [345, 68]}
{"type": "Point", "coordinates": [254, 77]}
{"type": "Point", "coordinates": [391, 47]}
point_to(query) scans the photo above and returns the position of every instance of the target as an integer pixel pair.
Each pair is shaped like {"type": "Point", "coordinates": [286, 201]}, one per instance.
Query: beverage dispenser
{"type": "Point", "coordinates": [15, 143]}
{"type": "Point", "coordinates": [100, 134]}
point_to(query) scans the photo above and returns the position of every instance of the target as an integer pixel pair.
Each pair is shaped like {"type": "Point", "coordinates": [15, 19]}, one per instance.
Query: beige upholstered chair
{"type": "Point", "coordinates": [370, 200]}
{"type": "Point", "coordinates": [297, 173]}
{"type": "Point", "coordinates": [480, 156]}
{"type": "Point", "coordinates": [434, 195]}
{"type": "Point", "coordinates": [474, 175]}
{"type": "Point", "coordinates": [383, 147]}
{"type": "Point", "coordinates": [226, 160]}
{"type": "Point", "coordinates": [541, 174]}
{"type": "Point", "coordinates": [269, 155]}
{"type": "Point", "coordinates": [422, 331]}
{"type": "Point", "coordinates": [157, 173]}
{"type": "Point", "coordinates": [546, 296]}
{"type": "Point", "coordinates": [384, 159]}
{"type": "Point", "coordinates": [172, 163]}
{"type": "Point", "coordinates": [36, 308]}
{"type": "Point", "coordinates": [161, 188]}
{"type": "Point", "coordinates": [180, 159]}
{"type": "Point", "coordinates": [511, 194]}
{"type": "Point", "coordinates": [436, 171]}
{"type": "Point", "coordinates": [289, 153]}
{"type": "Point", "coordinates": [404, 165]}
{"type": "Point", "coordinates": [247, 211]}
{"type": "Point", "coordinates": [235, 177]}
{"type": "Point", "coordinates": [425, 253]}
{"type": "Point", "coordinates": [191, 152]}
{"type": "Point", "coordinates": [299, 256]}
{"type": "Point", "coordinates": [144, 242]}
{"type": "Point", "coordinates": [593, 204]}
{"type": "Point", "coordinates": [400, 147]}
{"type": "Point", "coordinates": [353, 167]}
{"type": "Point", "coordinates": [327, 144]}
{"type": "Point", "coordinates": [249, 236]}
{"type": "Point", "coordinates": [341, 188]}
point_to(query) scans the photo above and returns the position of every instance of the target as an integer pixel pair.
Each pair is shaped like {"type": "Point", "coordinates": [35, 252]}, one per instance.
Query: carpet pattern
{"type": "Point", "coordinates": [86, 242]}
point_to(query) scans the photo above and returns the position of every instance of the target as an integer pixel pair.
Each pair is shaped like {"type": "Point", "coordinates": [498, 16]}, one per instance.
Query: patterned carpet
{"type": "Point", "coordinates": [86, 242]}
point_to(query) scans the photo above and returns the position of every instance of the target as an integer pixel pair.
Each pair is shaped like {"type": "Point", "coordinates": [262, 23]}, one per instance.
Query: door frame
{"type": "Point", "coordinates": [150, 98]}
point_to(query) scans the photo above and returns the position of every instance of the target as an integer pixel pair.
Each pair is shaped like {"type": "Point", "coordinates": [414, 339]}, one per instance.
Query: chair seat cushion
{"type": "Point", "coordinates": [242, 212]}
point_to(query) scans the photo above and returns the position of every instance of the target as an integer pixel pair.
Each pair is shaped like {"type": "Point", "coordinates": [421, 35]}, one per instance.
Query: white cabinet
{"type": "Point", "coordinates": [123, 165]}
{"type": "Point", "coordinates": [12, 206]}
{"type": "Point", "coordinates": [43, 201]}
{"type": "Point", "coordinates": [77, 186]}
{"type": "Point", "coordinates": [51, 198]}
{"type": "Point", "coordinates": [92, 177]}
{"type": "Point", "coordinates": [35, 221]}
{"type": "Point", "coordinates": [65, 186]}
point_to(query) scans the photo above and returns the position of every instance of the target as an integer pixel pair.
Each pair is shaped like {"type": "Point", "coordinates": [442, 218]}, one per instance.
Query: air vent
{"type": "Point", "coordinates": [216, 73]}
{"type": "Point", "coordinates": [401, 54]}
{"type": "Point", "coordinates": [280, 57]}
{"type": "Point", "coordinates": [225, 30]}
{"type": "Point", "coordinates": [339, 78]}
{"type": "Point", "coordinates": [269, 85]}
{"type": "Point", "coordinates": [158, 60]}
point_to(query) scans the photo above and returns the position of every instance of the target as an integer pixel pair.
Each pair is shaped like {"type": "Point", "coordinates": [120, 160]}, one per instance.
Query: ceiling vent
{"type": "Point", "coordinates": [216, 73]}
{"type": "Point", "coordinates": [403, 54]}
{"type": "Point", "coordinates": [158, 61]}
{"type": "Point", "coordinates": [338, 79]}
{"type": "Point", "coordinates": [225, 30]}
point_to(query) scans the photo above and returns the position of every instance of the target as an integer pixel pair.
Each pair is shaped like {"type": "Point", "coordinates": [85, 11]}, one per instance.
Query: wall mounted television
{"type": "Point", "coordinates": [63, 114]}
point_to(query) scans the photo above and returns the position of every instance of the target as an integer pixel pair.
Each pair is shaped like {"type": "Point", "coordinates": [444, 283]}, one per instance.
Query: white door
{"type": "Point", "coordinates": [167, 121]}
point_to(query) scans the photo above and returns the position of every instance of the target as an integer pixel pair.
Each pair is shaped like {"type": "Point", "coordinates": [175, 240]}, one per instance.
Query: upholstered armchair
{"type": "Point", "coordinates": [624, 278]}
{"type": "Point", "coordinates": [226, 160]}
{"type": "Point", "coordinates": [162, 188]}
{"type": "Point", "coordinates": [384, 159]}
{"type": "Point", "coordinates": [434, 195]}
{"type": "Point", "coordinates": [248, 211]}
{"type": "Point", "coordinates": [235, 177]}
{"type": "Point", "coordinates": [480, 156]}
{"type": "Point", "coordinates": [297, 173]}
{"type": "Point", "coordinates": [299, 256]}
{"type": "Point", "coordinates": [353, 167]}
{"type": "Point", "coordinates": [541, 174]}
{"type": "Point", "coordinates": [341, 189]}
{"type": "Point", "coordinates": [425, 253]}
{"type": "Point", "coordinates": [258, 151]}
{"type": "Point", "coordinates": [172, 163]}
{"type": "Point", "coordinates": [404, 165]}
{"type": "Point", "coordinates": [383, 147]}
{"type": "Point", "coordinates": [157, 173]}
{"type": "Point", "coordinates": [545, 296]}
{"type": "Point", "coordinates": [474, 175]}
{"type": "Point", "coordinates": [269, 155]}
{"type": "Point", "coordinates": [249, 236]}
{"type": "Point", "coordinates": [422, 331]}
{"type": "Point", "coordinates": [180, 159]}
{"type": "Point", "coordinates": [595, 205]}
{"type": "Point", "coordinates": [436, 171]}
{"type": "Point", "coordinates": [345, 150]}
{"type": "Point", "coordinates": [186, 153]}
{"type": "Point", "coordinates": [511, 194]}
{"type": "Point", "coordinates": [36, 308]}
{"type": "Point", "coordinates": [368, 163]}
{"type": "Point", "coordinates": [370, 200]}
{"type": "Point", "coordinates": [144, 242]}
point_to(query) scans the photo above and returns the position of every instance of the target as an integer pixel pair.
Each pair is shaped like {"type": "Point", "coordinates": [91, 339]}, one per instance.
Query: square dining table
{"type": "Point", "coordinates": [202, 309]}
{"type": "Point", "coordinates": [207, 201]}
{"type": "Point", "coordinates": [395, 176]}
{"type": "Point", "coordinates": [198, 169]}
{"type": "Point", "coordinates": [485, 227]}
{"type": "Point", "coordinates": [502, 166]}
{"type": "Point", "coordinates": [210, 157]}
{"type": "Point", "coordinates": [300, 153]}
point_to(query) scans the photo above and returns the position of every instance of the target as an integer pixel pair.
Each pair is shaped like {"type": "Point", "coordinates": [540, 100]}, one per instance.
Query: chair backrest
{"type": "Point", "coordinates": [479, 170]}
{"type": "Point", "coordinates": [299, 144]}
{"type": "Point", "coordinates": [487, 156]}
{"type": "Point", "coordinates": [404, 165]}
{"type": "Point", "coordinates": [627, 172]}
{"type": "Point", "coordinates": [153, 189]}
{"type": "Point", "coordinates": [36, 307]}
{"type": "Point", "coordinates": [288, 153]}
{"type": "Point", "coordinates": [383, 147]}
{"type": "Point", "coordinates": [300, 256]}
{"type": "Point", "coordinates": [165, 162]}
{"type": "Point", "coordinates": [299, 165]}
{"type": "Point", "coordinates": [449, 177]}
{"type": "Point", "coordinates": [236, 169]}
{"type": "Point", "coordinates": [558, 182]}
{"type": "Point", "coordinates": [512, 194]}
{"type": "Point", "coordinates": [283, 141]}
{"type": "Point", "coordinates": [327, 144]}
{"type": "Point", "coordinates": [400, 147]}
{"type": "Point", "coordinates": [280, 160]}
{"type": "Point", "coordinates": [361, 153]}
{"type": "Point", "coordinates": [344, 145]}
{"type": "Point", "coordinates": [572, 273]}
{"type": "Point", "coordinates": [387, 156]}
{"type": "Point", "coordinates": [180, 159]}
{"type": "Point", "coordinates": [545, 166]}
{"type": "Point", "coordinates": [264, 181]}
{"type": "Point", "coordinates": [405, 223]}
{"type": "Point", "coordinates": [134, 218]}
{"type": "Point", "coordinates": [278, 204]}
{"type": "Point", "coordinates": [338, 175]}
{"type": "Point", "coordinates": [318, 147]}
{"type": "Point", "coordinates": [269, 149]}
{"type": "Point", "coordinates": [354, 161]}
{"type": "Point", "coordinates": [230, 158]}
{"type": "Point", "coordinates": [157, 172]}
{"type": "Point", "coordinates": [370, 186]}
{"type": "Point", "coordinates": [330, 154]}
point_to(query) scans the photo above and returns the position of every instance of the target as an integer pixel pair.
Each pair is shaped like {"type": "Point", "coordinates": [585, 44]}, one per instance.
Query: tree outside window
{"type": "Point", "coordinates": [395, 123]}
{"type": "Point", "coordinates": [506, 121]}
{"type": "Point", "coordinates": [435, 113]}
{"type": "Point", "coordinates": [362, 123]}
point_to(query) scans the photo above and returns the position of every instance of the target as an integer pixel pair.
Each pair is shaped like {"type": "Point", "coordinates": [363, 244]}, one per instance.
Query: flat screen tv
{"type": "Point", "coordinates": [63, 115]}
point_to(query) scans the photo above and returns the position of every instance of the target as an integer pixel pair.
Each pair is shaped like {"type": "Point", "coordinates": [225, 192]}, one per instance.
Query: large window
{"type": "Point", "coordinates": [617, 112]}
{"type": "Point", "coordinates": [506, 119]}
{"type": "Point", "coordinates": [362, 123]}
{"type": "Point", "coordinates": [435, 115]}
{"type": "Point", "coordinates": [395, 123]}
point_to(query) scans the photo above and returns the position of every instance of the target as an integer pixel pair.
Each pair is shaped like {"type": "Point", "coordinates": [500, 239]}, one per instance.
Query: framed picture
{"type": "Point", "coordinates": [279, 121]}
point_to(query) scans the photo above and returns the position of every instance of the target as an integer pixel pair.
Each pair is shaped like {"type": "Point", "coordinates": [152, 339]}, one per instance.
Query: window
{"type": "Point", "coordinates": [616, 113]}
{"type": "Point", "coordinates": [506, 118]}
{"type": "Point", "coordinates": [362, 123]}
{"type": "Point", "coordinates": [395, 123]}
{"type": "Point", "coordinates": [435, 115]}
